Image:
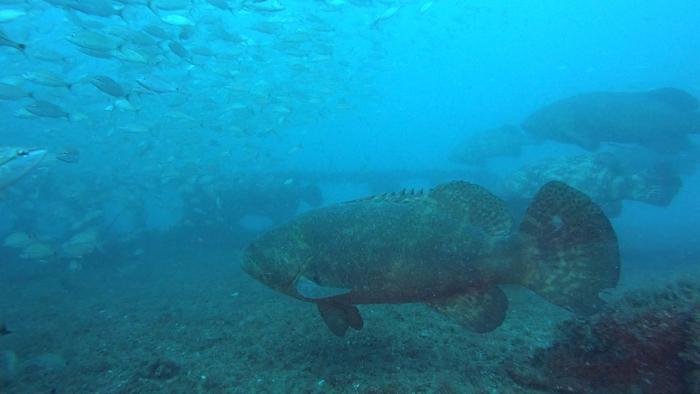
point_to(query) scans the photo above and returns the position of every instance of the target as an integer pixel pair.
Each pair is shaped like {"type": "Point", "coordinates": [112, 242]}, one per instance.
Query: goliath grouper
{"type": "Point", "coordinates": [450, 248]}
{"type": "Point", "coordinates": [660, 119]}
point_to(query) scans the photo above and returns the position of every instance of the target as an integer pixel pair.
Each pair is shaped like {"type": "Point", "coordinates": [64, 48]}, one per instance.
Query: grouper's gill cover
{"type": "Point", "coordinates": [450, 248]}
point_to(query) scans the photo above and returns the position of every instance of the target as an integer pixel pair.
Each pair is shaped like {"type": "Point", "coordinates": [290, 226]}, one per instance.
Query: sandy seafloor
{"type": "Point", "coordinates": [183, 318]}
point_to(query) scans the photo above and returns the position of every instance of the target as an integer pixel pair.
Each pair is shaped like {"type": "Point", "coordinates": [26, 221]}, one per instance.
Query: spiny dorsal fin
{"type": "Point", "coordinates": [404, 196]}
{"type": "Point", "coordinates": [476, 205]}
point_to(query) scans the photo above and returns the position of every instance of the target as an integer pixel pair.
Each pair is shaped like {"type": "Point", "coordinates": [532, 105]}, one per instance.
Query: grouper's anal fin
{"type": "Point", "coordinates": [338, 317]}
{"type": "Point", "coordinates": [480, 311]}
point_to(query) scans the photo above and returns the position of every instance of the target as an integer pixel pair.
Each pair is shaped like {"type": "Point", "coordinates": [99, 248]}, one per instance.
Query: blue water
{"type": "Point", "coordinates": [121, 248]}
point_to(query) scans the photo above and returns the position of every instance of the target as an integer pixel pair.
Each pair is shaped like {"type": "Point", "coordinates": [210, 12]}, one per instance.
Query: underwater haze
{"type": "Point", "coordinates": [349, 196]}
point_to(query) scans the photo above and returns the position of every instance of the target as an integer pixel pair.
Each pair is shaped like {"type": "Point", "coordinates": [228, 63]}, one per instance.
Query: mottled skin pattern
{"type": "Point", "coordinates": [602, 176]}
{"type": "Point", "coordinates": [387, 249]}
{"type": "Point", "coordinates": [450, 248]}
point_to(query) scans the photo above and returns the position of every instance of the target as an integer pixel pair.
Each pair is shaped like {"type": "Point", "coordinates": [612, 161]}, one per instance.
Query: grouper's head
{"type": "Point", "coordinates": [277, 259]}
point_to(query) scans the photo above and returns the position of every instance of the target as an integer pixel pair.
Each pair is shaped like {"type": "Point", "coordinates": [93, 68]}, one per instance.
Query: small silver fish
{"type": "Point", "coordinates": [12, 92]}
{"type": "Point", "coordinates": [69, 155]}
{"type": "Point", "coordinates": [388, 13]}
{"type": "Point", "coordinates": [46, 109]}
{"type": "Point", "coordinates": [6, 41]}
{"type": "Point", "coordinates": [94, 41]}
{"type": "Point", "coordinates": [265, 6]}
{"type": "Point", "coordinates": [47, 78]}
{"type": "Point", "coordinates": [103, 8]}
{"type": "Point", "coordinates": [7, 15]}
{"type": "Point", "coordinates": [156, 85]}
{"type": "Point", "coordinates": [107, 85]}
{"type": "Point", "coordinates": [179, 50]}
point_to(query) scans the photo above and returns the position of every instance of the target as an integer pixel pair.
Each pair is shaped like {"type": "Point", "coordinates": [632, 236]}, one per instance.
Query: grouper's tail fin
{"type": "Point", "coordinates": [570, 251]}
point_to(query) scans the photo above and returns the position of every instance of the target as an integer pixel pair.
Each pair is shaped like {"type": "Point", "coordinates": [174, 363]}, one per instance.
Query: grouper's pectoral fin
{"type": "Point", "coordinates": [476, 311]}
{"type": "Point", "coordinates": [313, 291]}
{"type": "Point", "coordinates": [338, 317]}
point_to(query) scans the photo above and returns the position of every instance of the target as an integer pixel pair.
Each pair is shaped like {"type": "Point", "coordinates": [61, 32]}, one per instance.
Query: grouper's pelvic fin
{"type": "Point", "coordinates": [569, 249]}
{"type": "Point", "coordinates": [339, 317]}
